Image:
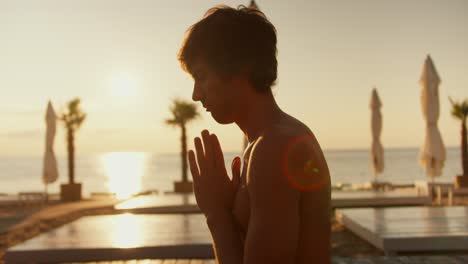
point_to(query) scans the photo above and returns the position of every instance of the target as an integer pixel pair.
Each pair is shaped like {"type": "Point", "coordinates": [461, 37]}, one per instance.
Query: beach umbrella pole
{"type": "Point", "coordinates": [46, 193]}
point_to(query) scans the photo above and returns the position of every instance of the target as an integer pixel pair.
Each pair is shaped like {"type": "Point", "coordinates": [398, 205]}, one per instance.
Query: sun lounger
{"type": "Point", "coordinates": [28, 199]}
{"type": "Point", "coordinates": [431, 188]}
{"type": "Point", "coordinates": [410, 229]}
{"type": "Point", "coordinates": [439, 190]}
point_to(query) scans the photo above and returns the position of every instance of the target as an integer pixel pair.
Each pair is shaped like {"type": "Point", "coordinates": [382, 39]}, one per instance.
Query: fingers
{"type": "Point", "coordinates": [193, 165]}
{"type": "Point", "coordinates": [209, 154]}
{"type": "Point", "coordinates": [208, 148]}
{"type": "Point", "coordinates": [217, 153]}
{"type": "Point", "coordinates": [235, 167]}
{"type": "Point", "coordinates": [200, 153]}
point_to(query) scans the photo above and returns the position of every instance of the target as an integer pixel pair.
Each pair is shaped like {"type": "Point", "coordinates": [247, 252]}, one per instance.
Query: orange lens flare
{"type": "Point", "coordinates": [299, 168]}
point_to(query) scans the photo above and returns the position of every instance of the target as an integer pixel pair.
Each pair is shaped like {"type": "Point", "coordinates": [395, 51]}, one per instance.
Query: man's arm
{"type": "Point", "coordinates": [227, 244]}
{"type": "Point", "coordinates": [215, 193]}
{"type": "Point", "coordinates": [272, 235]}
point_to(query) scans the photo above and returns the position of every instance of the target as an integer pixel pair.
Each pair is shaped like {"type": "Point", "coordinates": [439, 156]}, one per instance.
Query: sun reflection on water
{"type": "Point", "coordinates": [124, 172]}
{"type": "Point", "coordinates": [126, 231]}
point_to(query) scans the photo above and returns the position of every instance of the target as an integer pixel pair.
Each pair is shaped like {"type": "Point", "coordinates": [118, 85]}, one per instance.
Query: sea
{"type": "Point", "coordinates": [126, 173]}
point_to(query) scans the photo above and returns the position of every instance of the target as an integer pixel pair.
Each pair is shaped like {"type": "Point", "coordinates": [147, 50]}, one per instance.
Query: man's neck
{"type": "Point", "coordinates": [259, 112]}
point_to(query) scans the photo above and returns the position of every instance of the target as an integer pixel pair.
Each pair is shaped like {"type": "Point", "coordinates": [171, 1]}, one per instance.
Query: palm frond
{"type": "Point", "coordinates": [459, 109]}
{"type": "Point", "coordinates": [72, 116]}
{"type": "Point", "coordinates": [182, 112]}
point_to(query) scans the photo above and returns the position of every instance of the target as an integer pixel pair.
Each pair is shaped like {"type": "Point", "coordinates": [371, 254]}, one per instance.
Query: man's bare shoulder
{"type": "Point", "coordinates": [285, 133]}
{"type": "Point", "coordinates": [269, 189]}
{"type": "Point", "coordinates": [292, 150]}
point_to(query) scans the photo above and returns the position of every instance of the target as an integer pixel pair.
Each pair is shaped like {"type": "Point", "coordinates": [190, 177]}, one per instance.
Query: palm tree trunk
{"type": "Point", "coordinates": [464, 148]}
{"type": "Point", "coordinates": [183, 154]}
{"type": "Point", "coordinates": [71, 156]}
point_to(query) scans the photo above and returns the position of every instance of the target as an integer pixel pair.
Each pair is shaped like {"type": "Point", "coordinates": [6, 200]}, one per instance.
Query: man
{"type": "Point", "coordinates": [277, 208]}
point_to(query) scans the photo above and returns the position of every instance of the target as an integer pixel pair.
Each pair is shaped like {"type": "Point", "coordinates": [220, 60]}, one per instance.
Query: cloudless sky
{"type": "Point", "coordinates": [119, 57]}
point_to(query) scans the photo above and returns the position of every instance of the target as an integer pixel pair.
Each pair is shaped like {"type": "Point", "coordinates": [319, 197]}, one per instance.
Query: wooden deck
{"type": "Point", "coordinates": [335, 260]}
{"type": "Point", "coordinates": [119, 237]}
{"type": "Point", "coordinates": [160, 261]}
{"type": "Point", "coordinates": [160, 203]}
{"type": "Point", "coordinates": [161, 239]}
{"type": "Point", "coordinates": [349, 199]}
{"type": "Point", "coordinates": [180, 203]}
{"type": "Point", "coordinates": [410, 229]}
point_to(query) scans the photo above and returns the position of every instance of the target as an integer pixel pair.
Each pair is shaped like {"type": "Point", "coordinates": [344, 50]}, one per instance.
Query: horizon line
{"type": "Point", "coordinates": [227, 152]}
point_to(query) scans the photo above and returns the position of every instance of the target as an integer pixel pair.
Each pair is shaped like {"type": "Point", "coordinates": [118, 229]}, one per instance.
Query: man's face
{"type": "Point", "coordinates": [216, 94]}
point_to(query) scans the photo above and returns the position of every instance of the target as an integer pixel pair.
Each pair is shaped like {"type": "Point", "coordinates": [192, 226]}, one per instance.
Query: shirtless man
{"type": "Point", "coordinates": [276, 209]}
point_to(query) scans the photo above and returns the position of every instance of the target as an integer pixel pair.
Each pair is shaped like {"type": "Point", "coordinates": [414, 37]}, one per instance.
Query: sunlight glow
{"type": "Point", "coordinates": [124, 171]}
{"type": "Point", "coordinates": [123, 85]}
{"type": "Point", "coordinates": [126, 231]}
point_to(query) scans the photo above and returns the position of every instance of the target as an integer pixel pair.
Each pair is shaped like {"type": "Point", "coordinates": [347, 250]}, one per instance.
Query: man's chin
{"type": "Point", "coordinates": [221, 119]}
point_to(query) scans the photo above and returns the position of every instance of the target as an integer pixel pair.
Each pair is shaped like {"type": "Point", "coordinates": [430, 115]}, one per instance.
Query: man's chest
{"type": "Point", "coordinates": [241, 207]}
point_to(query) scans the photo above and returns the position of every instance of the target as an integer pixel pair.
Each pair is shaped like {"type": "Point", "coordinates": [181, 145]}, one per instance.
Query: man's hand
{"type": "Point", "coordinates": [214, 191]}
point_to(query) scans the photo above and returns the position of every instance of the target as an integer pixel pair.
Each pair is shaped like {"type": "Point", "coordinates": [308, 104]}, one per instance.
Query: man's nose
{"type": "Point", "coordinates": [197, 94]}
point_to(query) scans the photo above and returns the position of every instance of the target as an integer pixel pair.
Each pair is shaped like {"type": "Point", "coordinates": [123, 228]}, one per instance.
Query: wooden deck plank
{"type": "Point", "coordinates": [186, 203]}
{"type": "Point", "coordinates": [409, 229]}
{"type": "Point", "coordinates": [154, 201]}
{"type": "Point", "coordinates": [112, 237]}
{"type": "Point", "coordinates": [457, 259]}
{"type": "Point", "coordinates": [411, 260]}
{"type": "Point", "coordinates": [350, 261]}
{"type": "Point", "coordinates": [197, 261]}
{"type": "Point", "coordinates": [444, 259]}
{"type": "Point", "coordinates": [150, 261]}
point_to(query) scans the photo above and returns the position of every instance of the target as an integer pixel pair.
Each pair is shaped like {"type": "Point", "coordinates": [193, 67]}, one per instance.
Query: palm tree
{"type": "Point", "coordinates": [460, 112]}
{"type": "Point", "coordinates": [72, 118]}
{"type": "Point", "coordinates": [182, 113]}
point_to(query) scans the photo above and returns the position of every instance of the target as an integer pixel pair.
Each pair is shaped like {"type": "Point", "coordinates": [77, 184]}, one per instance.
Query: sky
{"type": "Point", "coordinates": [120, 58]}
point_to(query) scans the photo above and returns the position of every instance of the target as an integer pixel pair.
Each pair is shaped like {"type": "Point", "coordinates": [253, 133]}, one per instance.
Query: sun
{"type": "Point", "coordinates": [123, 85]}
